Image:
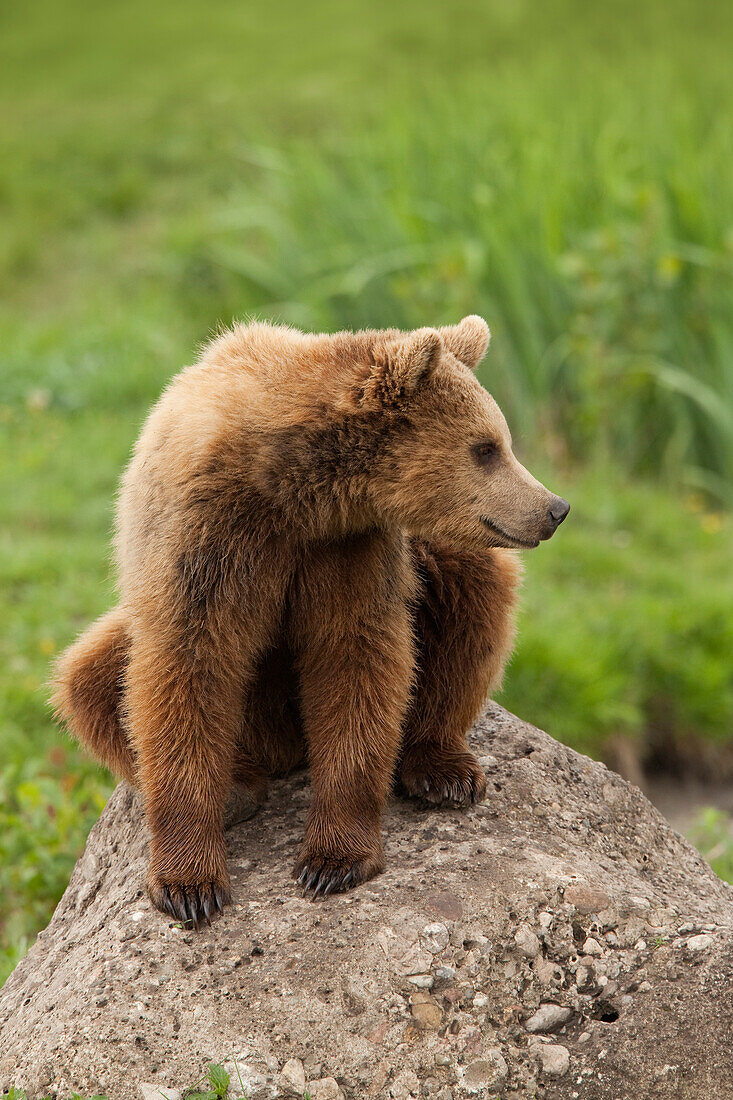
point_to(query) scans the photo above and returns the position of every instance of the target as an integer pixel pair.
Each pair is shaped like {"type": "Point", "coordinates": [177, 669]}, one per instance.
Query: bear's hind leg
{"type": "Point", "coordinates": [88, 683]}
{"type": "Point", "coordinates": [271, 740]}
{"type": "Point", "coordinates": [465, 629]}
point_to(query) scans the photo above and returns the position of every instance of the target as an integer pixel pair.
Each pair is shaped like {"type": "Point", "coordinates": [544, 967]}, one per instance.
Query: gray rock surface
{"type": "Point", "coordinates": [422, 982]}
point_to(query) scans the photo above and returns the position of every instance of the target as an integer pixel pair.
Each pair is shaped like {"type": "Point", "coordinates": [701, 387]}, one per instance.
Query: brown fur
{"type": "Point", "coordinates": [310, 545]}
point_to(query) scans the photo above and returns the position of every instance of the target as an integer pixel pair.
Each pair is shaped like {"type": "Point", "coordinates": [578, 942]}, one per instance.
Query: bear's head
{"type": "Point", "coordinates": [447, 469]}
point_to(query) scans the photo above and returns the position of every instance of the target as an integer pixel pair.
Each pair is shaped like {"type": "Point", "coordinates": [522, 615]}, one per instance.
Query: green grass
{"type": "Point", "coordinates": [713, 835]}
{"type": "Point", "coordinates": [561, 168]}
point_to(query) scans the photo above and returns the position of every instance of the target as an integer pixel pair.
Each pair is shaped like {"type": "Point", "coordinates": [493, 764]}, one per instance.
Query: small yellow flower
{"type": "Point", "coordinates": [711, 523]}
{"type": "Point", "coordinates": [669, 267]}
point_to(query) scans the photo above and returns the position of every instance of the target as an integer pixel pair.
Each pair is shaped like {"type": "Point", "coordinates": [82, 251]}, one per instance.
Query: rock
{"type": "Point", "coordinates": [548, 1017]}
{"type": "Point", "coordinates": [592, 947]}
{"type": "Point", "coordinates": [112, 993]}
{"type": "Point", "coordinates": [486, 1072]}
{"type": "Point", "coordinates": [292, 1078]}
{"type": "Point", "coordinates": [554, 1059]}
{"type": "Point", "coordinates": [527, 942]}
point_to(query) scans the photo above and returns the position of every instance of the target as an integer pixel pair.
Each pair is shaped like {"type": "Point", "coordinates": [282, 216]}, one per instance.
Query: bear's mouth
{"type": "Point", "coordinates": [512, 539]}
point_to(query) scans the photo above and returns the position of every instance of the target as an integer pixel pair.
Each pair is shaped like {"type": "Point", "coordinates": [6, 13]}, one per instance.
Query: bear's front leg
{"type": "Point", "coordinates": [355, 660]}
{"type": "Point", "coordinates": [183, 718]}
{"type": "Point", "coordinates": [465, 629]}
{"type": "Point", "coordinates": [192, 661]}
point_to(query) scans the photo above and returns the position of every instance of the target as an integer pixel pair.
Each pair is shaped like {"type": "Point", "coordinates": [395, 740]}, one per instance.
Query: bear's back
{"type": "Point", "coordinates": [250, 382]}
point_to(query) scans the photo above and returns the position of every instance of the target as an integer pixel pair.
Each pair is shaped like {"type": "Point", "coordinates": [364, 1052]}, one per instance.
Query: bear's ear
{"type": "Point", "coordinates": [469, 340]}
{"type": "Point", "coordinates": [400, 366]}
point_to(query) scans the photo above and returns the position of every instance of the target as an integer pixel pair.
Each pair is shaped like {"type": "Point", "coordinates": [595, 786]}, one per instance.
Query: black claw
{"type": "Point", "coordinates": [219, 898]}
{"type": "Point", "coordinates": [189, 906]}
{"type": "Point", "coordinates": [326, 880]}
{"type": "Point", "coordinates": [176, 906]}
{"type": "Point", "coordinates": [208, 905]}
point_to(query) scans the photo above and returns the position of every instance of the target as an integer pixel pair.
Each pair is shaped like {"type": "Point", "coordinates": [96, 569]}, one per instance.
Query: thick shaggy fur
{"type": "Point", "coordinates": [313, 543]}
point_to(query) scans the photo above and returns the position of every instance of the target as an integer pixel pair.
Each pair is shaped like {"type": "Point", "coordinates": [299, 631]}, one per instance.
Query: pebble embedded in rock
{"type": "Point", "coordinates": [421, 981]}
{"type": "Point", "coordinates": [527, 942]}
{"type": "Point", "coordinates": [592, 947]}
{"type": "Point", "coordinates": [245, 1081]}
{"type": "Point", "coordinates": [486, 1072]}
{"type": "Point", "coordinates": [446, 905]}
{"type": "Point", "coordinates": [586, 899]}
{"type": "Point", "coordinates": [426, 1013]}
{"type": "Point", "coordinates": [435, 937]}
{"type": "Point", "coordinates": [554, 1059]}
{"type": "Point", "coordinates": [548, 1017]}
{"type": "Point", "coordinates": [158, 1092]}
{"type": "Point", "coordinates": [325, 1089]}
{"type": "Point", "coordinates": [548, 972]}
{"type": "Point", "coordinates": [584, 977]}
{"type": "Point", "coordinates": [292, 1078]}
{"type": "Point", "coordinates": [405, 1086]}
{"type": "Point", "coordinates": [697, 944]}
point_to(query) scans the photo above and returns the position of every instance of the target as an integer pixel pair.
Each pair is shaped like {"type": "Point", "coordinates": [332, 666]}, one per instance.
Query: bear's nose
{"type": "Point", "coordinates": [557, 511]}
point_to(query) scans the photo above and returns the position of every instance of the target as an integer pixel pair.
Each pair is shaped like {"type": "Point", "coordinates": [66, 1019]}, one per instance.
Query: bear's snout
{"type": "Point", "coordinates": [556, 513]}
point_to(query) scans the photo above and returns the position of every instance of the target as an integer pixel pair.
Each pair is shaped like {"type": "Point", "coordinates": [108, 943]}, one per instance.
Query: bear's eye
{"type": "Point", "coordinates": [485, 453]}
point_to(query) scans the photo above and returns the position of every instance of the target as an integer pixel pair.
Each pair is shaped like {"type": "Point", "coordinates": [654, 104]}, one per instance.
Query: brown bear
{"type": "Point", "coordinates": [314, 539]}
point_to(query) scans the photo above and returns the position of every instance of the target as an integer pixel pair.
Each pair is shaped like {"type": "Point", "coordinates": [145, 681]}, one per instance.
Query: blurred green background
{"type": "Point", "coordinates": [562, 168]}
